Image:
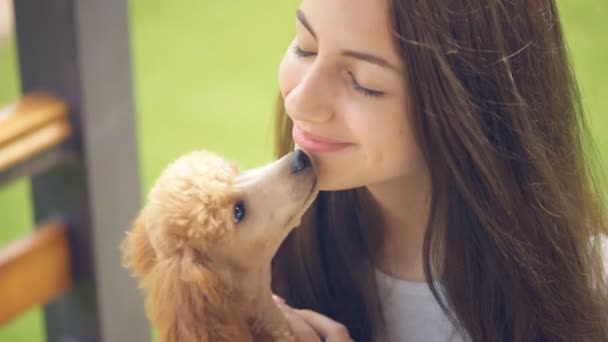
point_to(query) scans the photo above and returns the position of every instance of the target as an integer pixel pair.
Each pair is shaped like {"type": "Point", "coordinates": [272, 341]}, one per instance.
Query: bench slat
{"type": "Point", "coordinates": [34, 270]}
{"type": "Point", "coordinates": [32, 144]}
{"type": "Point", "coordinates": [33, 125]}
{"type": "Point", "coordinates": [28, 114]}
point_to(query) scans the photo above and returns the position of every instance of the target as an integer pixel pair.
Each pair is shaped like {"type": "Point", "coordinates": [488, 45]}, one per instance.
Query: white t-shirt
{"type": "Point", "coordinates": [411, 312]}
{"type": "Point", "coordinates": [413, 315]}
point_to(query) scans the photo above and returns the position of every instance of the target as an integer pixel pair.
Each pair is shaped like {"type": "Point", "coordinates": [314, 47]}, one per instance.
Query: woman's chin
{"type": "Point", "coordinates": [328, 183]}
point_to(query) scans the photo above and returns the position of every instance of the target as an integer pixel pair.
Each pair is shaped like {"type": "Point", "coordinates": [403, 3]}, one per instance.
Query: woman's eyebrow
{"type": "Point", "coordinates": [350, 53]}
{"type": "Point", "coordinates": [371, 59]}
{"type": "Point", "coordinates": [302, 18]}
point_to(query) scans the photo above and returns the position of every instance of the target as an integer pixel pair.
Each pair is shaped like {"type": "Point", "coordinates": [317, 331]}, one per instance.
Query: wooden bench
{"type": "Point", "coordinates": [35, 269]}
{"type": "Point", "coordinates": [72, 134]}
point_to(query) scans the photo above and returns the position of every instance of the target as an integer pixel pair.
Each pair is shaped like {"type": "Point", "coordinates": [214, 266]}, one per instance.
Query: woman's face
{"type": "Point", "coordinates": [343, 85]}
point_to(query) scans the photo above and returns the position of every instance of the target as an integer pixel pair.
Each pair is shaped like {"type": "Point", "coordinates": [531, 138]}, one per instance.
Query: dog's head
{"type": "Point", "coordinates": [203, 203]}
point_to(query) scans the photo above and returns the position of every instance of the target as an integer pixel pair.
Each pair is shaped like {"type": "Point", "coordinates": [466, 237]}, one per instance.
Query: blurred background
{"type": "Point", "coordinates": [205, 76]}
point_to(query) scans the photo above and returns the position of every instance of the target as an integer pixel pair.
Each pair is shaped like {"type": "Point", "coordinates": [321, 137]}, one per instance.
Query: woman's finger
{"type": "Point", "coordinates": [328, 329]}
{"type": "Point", "coordinates": [302, 331]}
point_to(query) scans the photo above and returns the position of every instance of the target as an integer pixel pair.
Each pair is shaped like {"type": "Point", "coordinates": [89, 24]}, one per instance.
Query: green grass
{"type": "Point", "coordinates": [206, 77]}
{"type": "Point", "coordinates": [586, 30]}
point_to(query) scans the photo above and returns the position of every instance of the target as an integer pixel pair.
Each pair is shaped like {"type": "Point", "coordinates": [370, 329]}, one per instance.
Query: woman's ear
{"type": "Point", "coordinates": [188, 302]}
{"type": "Point", "coordinates": [138, 254]}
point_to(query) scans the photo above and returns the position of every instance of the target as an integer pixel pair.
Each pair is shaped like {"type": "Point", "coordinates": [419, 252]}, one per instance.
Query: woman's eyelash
{"type": "Point", "coordinates": [301, 53]}
{"type": "Point", "coordinates": [365, 91]}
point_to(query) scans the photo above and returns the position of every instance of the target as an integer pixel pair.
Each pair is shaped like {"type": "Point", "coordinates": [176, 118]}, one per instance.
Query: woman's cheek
{"type": "Point", "coordinates": [290, 71]}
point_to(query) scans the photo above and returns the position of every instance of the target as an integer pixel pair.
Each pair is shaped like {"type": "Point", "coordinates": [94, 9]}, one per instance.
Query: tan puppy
{"type": "Point", "coordinates": [201, 247]}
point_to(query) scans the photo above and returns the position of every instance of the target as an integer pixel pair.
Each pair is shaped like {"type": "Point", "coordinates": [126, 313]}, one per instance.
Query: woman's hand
{"type": "Point", "coordinates": [310, 326]}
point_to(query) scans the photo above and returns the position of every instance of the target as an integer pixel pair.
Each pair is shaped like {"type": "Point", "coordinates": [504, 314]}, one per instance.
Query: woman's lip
{"type": "Point", "coordinates": [312, 143]}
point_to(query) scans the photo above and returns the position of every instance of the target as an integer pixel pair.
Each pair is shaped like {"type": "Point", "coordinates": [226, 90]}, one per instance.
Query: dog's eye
{"type": "Point", "coordinates": [239, 212]}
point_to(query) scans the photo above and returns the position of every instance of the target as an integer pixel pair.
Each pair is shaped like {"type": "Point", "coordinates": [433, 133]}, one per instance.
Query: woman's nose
{"type": "Point", "coordinates": [312, 98]}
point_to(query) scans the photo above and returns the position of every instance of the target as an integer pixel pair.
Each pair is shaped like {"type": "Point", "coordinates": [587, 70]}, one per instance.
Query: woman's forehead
{"type": "Point", "coordinates": [363, 19]}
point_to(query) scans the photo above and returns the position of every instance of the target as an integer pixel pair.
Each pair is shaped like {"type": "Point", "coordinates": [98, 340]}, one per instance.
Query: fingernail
{"type": "Point", "coordinates": [278, 299]}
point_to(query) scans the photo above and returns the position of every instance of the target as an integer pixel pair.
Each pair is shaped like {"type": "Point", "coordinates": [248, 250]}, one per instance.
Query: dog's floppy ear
{"type": "Point", "coordinates": [138, 254]}
{"type": "Point", "coordinates": [187, 302]}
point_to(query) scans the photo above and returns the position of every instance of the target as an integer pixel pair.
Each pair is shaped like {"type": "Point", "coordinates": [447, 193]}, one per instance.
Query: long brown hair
{"type": "Point", "coordinates": [497, 114]}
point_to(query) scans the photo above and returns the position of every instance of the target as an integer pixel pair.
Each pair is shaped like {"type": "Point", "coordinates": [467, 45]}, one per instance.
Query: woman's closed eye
{"type": "Point", "coordinates": [356, 86]}
{"type": "Point", "coordinates": [301, 53]}
{"type": "Point", "coordinates": [363, 90]}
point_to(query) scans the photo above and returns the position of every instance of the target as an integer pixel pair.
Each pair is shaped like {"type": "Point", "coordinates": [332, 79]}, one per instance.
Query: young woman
{"type": "Point", "coordinates": [459, 199]}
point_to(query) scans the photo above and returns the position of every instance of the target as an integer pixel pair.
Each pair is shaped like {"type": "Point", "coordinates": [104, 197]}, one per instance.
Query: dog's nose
{"type": "Point", "coordinates": [299, 161]}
